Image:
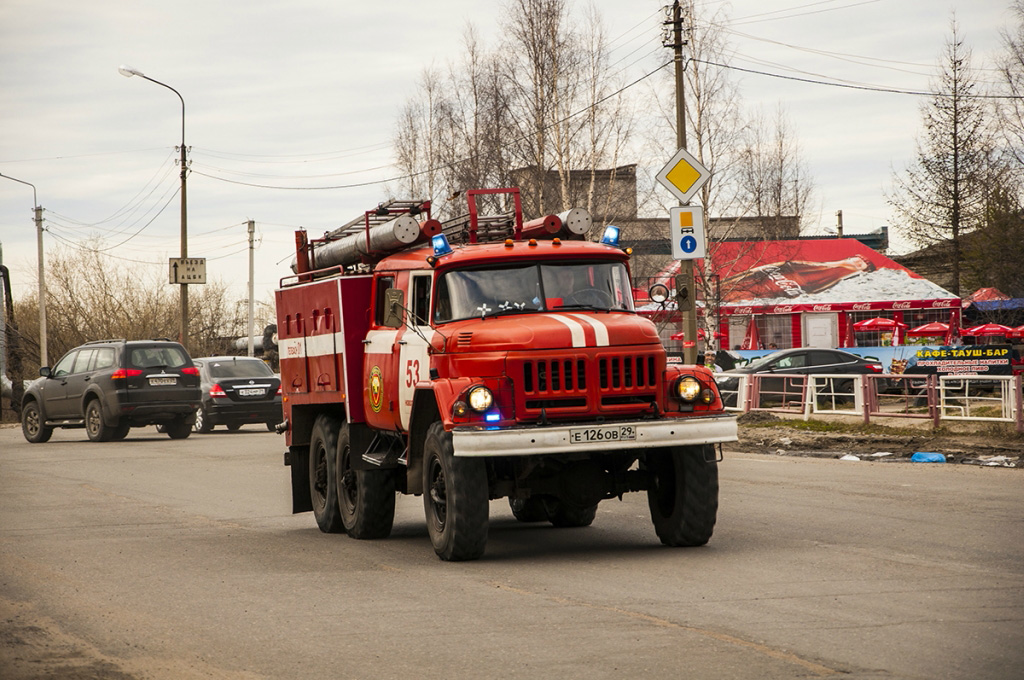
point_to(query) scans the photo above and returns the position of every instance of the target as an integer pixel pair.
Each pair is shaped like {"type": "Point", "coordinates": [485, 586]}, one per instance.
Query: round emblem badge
{"type": "Point", "coordinates": [376, 389]}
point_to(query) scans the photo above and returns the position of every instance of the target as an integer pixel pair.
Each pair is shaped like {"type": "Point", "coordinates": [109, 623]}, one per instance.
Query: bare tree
{"type": "Point", "coordinates": [772, 179]}
{"type": "Point", "coordinates": [87, 299]}
{"type": "Point", "coordinates": [1011, 66]}
{"type": "Point", "coordinates": [941, 196]}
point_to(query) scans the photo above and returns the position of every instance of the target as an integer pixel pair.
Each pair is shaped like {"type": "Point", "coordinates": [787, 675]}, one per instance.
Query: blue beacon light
{"type": "Point", "coordinates": [441, 245]}
{"type": "Point", "coordinates": [611, 236]}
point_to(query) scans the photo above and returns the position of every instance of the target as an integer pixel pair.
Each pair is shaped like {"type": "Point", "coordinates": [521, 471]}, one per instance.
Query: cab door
{"type": "Point", "coordinates": [413, 343]}
{"type": "Point", "coordinates": [380, 361]}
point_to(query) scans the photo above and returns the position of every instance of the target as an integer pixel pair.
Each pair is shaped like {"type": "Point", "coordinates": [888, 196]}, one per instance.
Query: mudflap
{"type": "Point", "coordinates": [297, 458]}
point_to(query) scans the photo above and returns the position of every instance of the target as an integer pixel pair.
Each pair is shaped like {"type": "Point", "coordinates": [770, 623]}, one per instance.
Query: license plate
{"type": "Point", "coordinates": [163, 381]}
{"type": "Point", "coordinates": [608, 433]}
{"type": "Point", "coordinates": [251, 392]}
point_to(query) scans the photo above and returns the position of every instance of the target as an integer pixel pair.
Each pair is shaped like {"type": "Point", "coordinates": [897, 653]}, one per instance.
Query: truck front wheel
{"type": "Point", "coordinates": [323, 491]}
{"type": "Point", "coordinates": [366, 498]}
{"type": "Point", "coordinates": [684, 495]}
{"type": "Point", "coordinates": [455, 498]}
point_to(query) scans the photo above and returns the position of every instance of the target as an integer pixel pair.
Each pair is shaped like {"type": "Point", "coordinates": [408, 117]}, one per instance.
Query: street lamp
{"type": "Point", "coordinates": [42, 281]}
{"type": "Point", "coordinates": [128, 72]}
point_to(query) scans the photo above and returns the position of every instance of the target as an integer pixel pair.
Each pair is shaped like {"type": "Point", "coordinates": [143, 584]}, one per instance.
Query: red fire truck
{"type": "Point", "coordinates": [479, 359]}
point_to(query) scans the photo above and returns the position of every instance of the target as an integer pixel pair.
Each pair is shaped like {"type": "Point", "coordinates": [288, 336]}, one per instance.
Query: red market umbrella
{"type": "Point", "coordinates": [878, 323]}
{"type": "Point", "coordinates": [1017, 332]}
{"type": "Point", "coordinates": [953, 334]}
{"type": "Point", "coordinates": [930, 330]}
{"type": "Point", "coordinates": [988, 330]}
{"type": "Point", "coordinates": [752, 340]}
{"type": "Point", "coordinates": [849, 340]}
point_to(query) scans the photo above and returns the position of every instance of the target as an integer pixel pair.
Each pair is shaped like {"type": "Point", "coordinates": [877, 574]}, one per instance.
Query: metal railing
{"type": "Point", "coordinates": [886, 395]}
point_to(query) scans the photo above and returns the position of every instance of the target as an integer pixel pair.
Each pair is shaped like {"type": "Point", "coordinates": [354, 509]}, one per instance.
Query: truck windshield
{"type": "Point", "coordinates": [474, 293]}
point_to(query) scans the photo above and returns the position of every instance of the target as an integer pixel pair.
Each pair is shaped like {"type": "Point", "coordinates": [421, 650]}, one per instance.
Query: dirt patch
{"type": "Point", "coordinates": [762, 432]}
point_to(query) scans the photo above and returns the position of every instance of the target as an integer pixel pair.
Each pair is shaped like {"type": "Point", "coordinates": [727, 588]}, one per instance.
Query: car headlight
{"type": "Point", "coordinates": [688, 388]}
{"type": "Point", "coordinates": [480, 398]}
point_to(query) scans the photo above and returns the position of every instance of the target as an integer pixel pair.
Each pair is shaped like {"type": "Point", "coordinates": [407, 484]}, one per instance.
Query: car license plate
{"type": "Point", "coordinates": [163, 381]}
{"type": "Point", "coordinates": [251, 392]}
{"type": "Point", "coordinates": [608, 433]}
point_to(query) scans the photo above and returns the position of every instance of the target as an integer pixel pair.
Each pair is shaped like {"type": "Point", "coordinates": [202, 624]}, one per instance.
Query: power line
{"type": "Point", "coordinates": [869, 88]}
{"type": "Point", "coordinates": [356, 185]}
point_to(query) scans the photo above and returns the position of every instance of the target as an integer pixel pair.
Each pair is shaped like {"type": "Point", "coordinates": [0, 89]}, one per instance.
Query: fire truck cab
{"type": "Point", "coordinates": [465, 369]}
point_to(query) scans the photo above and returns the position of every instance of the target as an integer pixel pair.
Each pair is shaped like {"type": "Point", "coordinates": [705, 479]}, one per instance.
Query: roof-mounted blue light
{"type": "Point", "coordinates": [611, 236]}
{"type": "Point", "coordinates": [441, 245]}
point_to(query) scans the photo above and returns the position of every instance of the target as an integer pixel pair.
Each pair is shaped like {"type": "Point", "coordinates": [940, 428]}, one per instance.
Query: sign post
{"type": "Point", "coordinates": [684, 176]}
{"type": "Point", "coordinates": [186, 270]}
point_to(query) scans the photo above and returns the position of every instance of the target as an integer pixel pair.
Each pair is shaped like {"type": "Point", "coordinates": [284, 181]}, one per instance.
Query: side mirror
{"type": "Point", "coordinates": [394, 300]}
{"type": "Point", "coordinates": [658, 293]}
{"type": "Point", "coordinates": [45, 371]}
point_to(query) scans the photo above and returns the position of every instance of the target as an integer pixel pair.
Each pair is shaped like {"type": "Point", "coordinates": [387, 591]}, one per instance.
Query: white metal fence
{"type": "Point", "coordinates": [937, 398]}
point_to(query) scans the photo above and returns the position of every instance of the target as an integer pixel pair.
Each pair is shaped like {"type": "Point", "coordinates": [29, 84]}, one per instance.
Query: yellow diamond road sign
{"type": "Point", "coordinates": [683, 175]}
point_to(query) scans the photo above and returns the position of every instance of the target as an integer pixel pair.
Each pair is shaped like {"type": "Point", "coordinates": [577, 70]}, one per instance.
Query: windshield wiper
{"type": "Point", "coordinates": [509, 311]}
{"type": "Point", "coordinates": [580, 306]}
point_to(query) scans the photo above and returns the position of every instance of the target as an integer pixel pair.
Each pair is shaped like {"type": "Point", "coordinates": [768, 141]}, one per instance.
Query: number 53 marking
{"type": "Point", "coordinates": [412, 372]}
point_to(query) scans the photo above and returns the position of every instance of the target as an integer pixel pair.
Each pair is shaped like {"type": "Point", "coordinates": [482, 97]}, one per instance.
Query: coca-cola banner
{"type": "Point", "coordinates": [778, 277]}
{"type": "Point", "coordinates": [926, 359]}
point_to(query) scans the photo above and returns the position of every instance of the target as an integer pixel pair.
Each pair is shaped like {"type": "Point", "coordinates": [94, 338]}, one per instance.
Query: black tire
{"type": "Point", "coordinates": [562, 515]}
{"type": "Point", "coordinates": [234, 427]}
{"type": "Point", "coordinates": [95, 428]}
{"type": "Point", "coordinates": [532, 509]}
{"type": "Point", "coordinates": [121, 431]}
{"type": "Point", "coordinates": [323, 490]}
{"type": "Point", "coordinates": [366, 498]}
{"type": "Point", "coordinates": [684, 496]}
{"type": "Point", "coordinates": [271, 427]}
{"type": "Point", "coordinates": [32, 424]}
{"type": "Point", "coordinates": [202, 424]}
{"type": "Point", "coordinates": [455, 498]}
{"type": "Point", "coordinates": [179, 428]}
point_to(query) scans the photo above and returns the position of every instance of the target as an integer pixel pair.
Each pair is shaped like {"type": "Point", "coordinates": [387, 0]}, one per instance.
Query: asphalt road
{"type": "Point", "coordinates": [153, 558]}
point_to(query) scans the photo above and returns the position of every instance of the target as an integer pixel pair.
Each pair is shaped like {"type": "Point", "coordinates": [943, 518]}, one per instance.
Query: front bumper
{"type": "Point", "coordinates": [477, 442]}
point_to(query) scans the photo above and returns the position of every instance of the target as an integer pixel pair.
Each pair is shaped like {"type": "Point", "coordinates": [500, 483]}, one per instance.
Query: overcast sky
{"type": "Point", "coordinates": [306, 94]}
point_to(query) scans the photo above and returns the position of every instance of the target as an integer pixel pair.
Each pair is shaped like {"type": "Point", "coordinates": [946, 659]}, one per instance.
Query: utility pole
{"type": "Point", "coordinates": [686, 290]}
{"type": "Point", "coordinates": [839, 223]}
{"type": "Point", "coordinates": [252, 269]}
{"type": "Point", "coordinates": [38, 212]}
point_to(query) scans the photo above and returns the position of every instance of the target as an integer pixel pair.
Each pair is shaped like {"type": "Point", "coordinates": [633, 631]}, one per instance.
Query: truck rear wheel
{"type": "Point", "coordinates": [366, 498]}
{"type": "Point", "coordinates": [455, 498]}
{"type": "Point", "coordinates": [684, 496]}
{"type": "Point", "coordinates": [323, 448]}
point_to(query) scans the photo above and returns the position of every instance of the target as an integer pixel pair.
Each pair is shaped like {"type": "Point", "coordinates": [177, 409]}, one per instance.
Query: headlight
{"type": "Point", "coordinates": [688, 388]}
{"type": "Point", "coordinates": [480, 398]}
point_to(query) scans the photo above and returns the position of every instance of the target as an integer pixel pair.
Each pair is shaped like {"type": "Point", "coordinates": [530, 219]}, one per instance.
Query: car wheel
{"type": "Point", "coordinates": [684, 496]}
{"type": "Point", "coordinates": [202, 424]}
{"type": "Point", "coordinates": [271, 427]}
{"type": "Point", "coordinates": [323, 489]}
{"type": "Point", "coordinates": [121, 431]}
{"type": "Point", "coordinates": [95, 428]}
{"type": "Point", "coordinates": [234, 427]}
{"type": "Point", "coordinates": [563, 515]}
{"type": "Point", "coordinates": [532, 509]}
{"type": "Point", "coordinates": [366, 498]}
{"type": "Point", "coordinates": [32, 424]}
{"type": "Point", "coordinates": [455, 497]}
{"type": "Point", "coordinates": [179, 428]}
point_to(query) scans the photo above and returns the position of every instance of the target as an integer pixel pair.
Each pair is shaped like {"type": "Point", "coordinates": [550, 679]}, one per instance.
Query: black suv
{"type": "Point", "coordinates": [236, 391]}
{"type": "Point", "coordinates": [110, 386]}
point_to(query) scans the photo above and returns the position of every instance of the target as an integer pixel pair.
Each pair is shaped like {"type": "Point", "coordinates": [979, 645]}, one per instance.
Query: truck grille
{"type": "Point", "coordinates": [581, 385]}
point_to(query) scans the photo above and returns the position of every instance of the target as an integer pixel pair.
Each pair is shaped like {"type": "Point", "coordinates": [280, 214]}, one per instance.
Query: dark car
{"type": "Point", "coordinates": [110, 386]}
{"type": "Point", "coordinates": [236, 391]}
{"type": "Point", "coordinates": [798, 361]}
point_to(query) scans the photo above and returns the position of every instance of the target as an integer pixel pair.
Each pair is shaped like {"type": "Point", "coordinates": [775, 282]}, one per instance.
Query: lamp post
{"type": "Point", "coordinates": [43, 361]}
{"type": "Point", "coordinates": [128, 72]}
